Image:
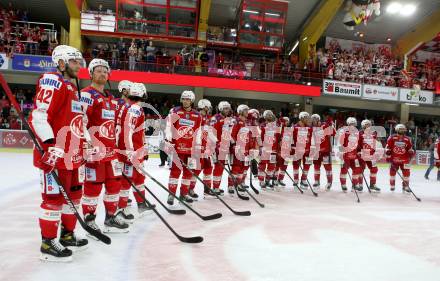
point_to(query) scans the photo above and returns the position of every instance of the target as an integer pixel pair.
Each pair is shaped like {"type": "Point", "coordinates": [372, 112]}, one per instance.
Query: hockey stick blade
{"type": "Point", "coordinates": [300, 190]}
{"type": "Point", "coordinates": [252, 185]}
{"type": "Point", "coordinates": [410, 189]}
{"type": "Point", "coordinates": [211, 217]}
{"type": "Point", "coordinates": [171, 211]}
{"type": "Point", "coordinates": [238, 213]}
{"type": "Point", "coordinates": [195, 239]}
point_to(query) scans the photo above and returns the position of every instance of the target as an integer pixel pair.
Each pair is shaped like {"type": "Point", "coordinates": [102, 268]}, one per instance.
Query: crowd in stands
{"type": "Point", "coordinates": [19, 35]}
{"type": "Point", "coordinates": [376, 67]}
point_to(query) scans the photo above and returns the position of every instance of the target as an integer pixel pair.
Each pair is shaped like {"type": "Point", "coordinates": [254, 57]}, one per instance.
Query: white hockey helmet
{"type": "Point", "coordinates": [286, 119]}
{"type": "Point", "coordinates": [268, 114]}
{"type": "Point", "coordinates": [223, 104]}
{"type": "Point", "coordinates": [303, 115]}
{"type": "Point", "coordinates": [400, 127]}
{"type": "Point", "coordinates": [254, 113]}
{"type": "Point", "coordinates": [124, 84]}
{"type": "Point", "coordinates": [316, 117]}
{"type": "Point", "coordinates": [137, 90]}
{"type": "Point", "coordinates": [242, 108]}
{"type": "Point", "coordinates": [65, 53]}
{"type": "Point", "coordinates": [188, 95]}
{"type": "Point", "coordinates": [351, 121]}
{"type": "Point", "coordinates": [204, 103]}
{"type": "Point", "coordinates": [98, 62]}
{"type": "Point", "coordinates": [365, 123]}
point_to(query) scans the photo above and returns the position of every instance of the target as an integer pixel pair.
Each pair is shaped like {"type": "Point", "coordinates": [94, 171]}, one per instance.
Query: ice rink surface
{"type": "Point", "coordinates": [386, 237]}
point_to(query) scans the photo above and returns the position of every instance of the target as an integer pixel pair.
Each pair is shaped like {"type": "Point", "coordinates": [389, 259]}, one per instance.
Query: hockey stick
{"type": "Point", "coordinates": [418, 199]}
{"type": "Point", "coordinates": [195, 239]}
{"type": "Point", "coordinates": [238, 213]}
{"type": "Point", "coordinates": [272, 178]}
{"type": "Point", "coordinates": [311, 188]}
{"type": "Point", "coordinates": [252, 185]}
{"type": "Point", "coordinates": [100, 236]}
{"type": "Point", "coordinates": [236, 184]}
{"type": "Point", "coordinates": [353, 187]}
{"type": "Point", "coordinates": [290, 177]}
{"type": "Point", "coordinates": [205, 218]}
{"type": "Point", "coordinates": [366, 183]}
{"type": "Point", "coordinates": [171, 211]}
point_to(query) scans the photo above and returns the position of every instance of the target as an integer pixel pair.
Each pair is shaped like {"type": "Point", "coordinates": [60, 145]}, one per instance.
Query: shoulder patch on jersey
{"type": "Point", "coordinates": [50, 80]}
{"type": "Point", "coordinates": [86, 98]}
{"type": "Point", "coordinates": [135, 110]}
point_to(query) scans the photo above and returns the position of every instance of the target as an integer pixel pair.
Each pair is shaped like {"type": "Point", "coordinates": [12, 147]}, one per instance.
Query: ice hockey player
{"type": "Point", "coordinates": [253, 123]}
{"type": "Point", "coordinates": [102, 167]}
{"type": "Point", "coordinates": [207, 141]}
{"type": "Point", "coordinates": [241, 145]}
{"type": "Point", "coordinates": [322, 134]}
{"type": "Point", "coordinates": [399, 152]}
{"type": "Point", "coordinates": [270, 137]}
{"type": "Point", "coordinates": [222, 123]}
{"type": "Point", "coordinates": [130, 125]}
{"type": "Point", "coordinates": [57, 121]}
{"type": "Point", "coordinates": [367, 154]}
{"type": "Point", "coordinates": [281, 167]}
{"type": "Point", "coordinates": [349, 141]}
{"type": "Point", "coordinates": [182, 123]}
{"type": "Point", "coordinates": [302, 134]}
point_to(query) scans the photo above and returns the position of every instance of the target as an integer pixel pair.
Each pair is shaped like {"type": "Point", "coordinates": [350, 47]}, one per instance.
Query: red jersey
{"type": "Point", "coordinates": [322, 135]}
{"type": "Point", "coordinates": [349, 142]}
{"type": "Point", "coordinates": [270, 136]}
{"type": "Point", "coordinates": [367, 145]}
{"type": "Point", "coordinates": [223, 129]}
{"type": "Point", "coordinates": [302, 136]}
{"type": "Point", "coordinates": [100, 111]}
{"type": "Point", "coordinates": [181, 128]}
{"type": "Point", "coordinates": [130, 124]}
{"type": "Point", "coordinates": [58, 114]}
{"type": "Point", "coordinates": [242, 137]}
{"type": "Point", "coordinates": [400, 149]}
{"type": "Point", "coordinates": [208, 137]}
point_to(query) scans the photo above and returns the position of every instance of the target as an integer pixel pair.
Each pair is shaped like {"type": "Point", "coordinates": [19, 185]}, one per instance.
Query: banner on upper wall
{"type": "Point", "coordinates": [33, 63]}
{"type": "Point", "coordinates": [380, 92]}
{"type": "Point", "coordinates": [4, 61]}
{"type": "Point", "coordinates": [356, 46]}
{"type": "Point", "coordinates": [341, 88]}
{"type": "Point", "coordinates": [416, 96]}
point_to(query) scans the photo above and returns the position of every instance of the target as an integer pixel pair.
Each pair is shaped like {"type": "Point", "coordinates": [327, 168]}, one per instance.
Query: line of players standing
{"type": "Point", "coordinates": [90, 138]}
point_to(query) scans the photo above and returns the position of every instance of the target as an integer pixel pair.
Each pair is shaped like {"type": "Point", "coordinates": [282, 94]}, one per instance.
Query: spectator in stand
{"type": "Point", "coordinates": [220, 60]}
{"type": "Point", "coordinates": [4, 124]}
{"type": "Point", "coordinates": [53, 43]}
{"type": "Point", "coordinates": [151, 58]}
{"type": "Point", "coordinates": [132, 52]}
{"type": "Point", "coordinates": [115, 56]}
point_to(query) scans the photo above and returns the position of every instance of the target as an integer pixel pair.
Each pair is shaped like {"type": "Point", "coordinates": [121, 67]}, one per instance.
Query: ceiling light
{"type": "Point", "coordinates": [294, 47]}
{"type": "Point", "coordinates": [272, 14]}
{"type": "Point", "coordinates": [408, 10]}
{"type": "Point", "coordinates": [251, 12]}
{"type": "Point", "coordinates": [394, 8]}
{"type": "Point", "coordinates": [309, 83]}
{"type": "Point", "coordinates": [361, 35]}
